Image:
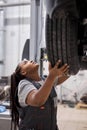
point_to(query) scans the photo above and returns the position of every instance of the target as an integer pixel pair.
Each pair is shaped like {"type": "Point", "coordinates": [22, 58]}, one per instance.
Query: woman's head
{"type": "Point", "coordinates": [25, 69]}
{"type": "Point", "coordinates": [28, 68]}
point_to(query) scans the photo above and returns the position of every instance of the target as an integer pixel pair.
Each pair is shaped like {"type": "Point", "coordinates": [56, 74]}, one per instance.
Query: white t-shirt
{"type": "Point", "coordinates": [24, 88]}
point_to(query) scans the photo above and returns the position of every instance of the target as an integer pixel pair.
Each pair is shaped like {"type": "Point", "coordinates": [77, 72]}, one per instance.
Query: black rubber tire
{"type": "Point", "coordinates": [61, 40]}
{"type": "Point", "coordinates": [66, 34]}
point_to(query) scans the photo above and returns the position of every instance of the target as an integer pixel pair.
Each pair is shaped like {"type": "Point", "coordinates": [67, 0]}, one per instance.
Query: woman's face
{"type": "Point", "coordinates": [28, 67]}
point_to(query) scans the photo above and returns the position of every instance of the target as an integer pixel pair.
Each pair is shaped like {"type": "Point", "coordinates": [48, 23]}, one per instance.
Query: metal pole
{"type": "Point", "coordinates": [14, 4]}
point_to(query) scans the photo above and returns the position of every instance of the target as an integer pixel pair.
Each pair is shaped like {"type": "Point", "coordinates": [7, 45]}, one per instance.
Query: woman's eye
{"type": "Point", "coordinates": [25, 62]}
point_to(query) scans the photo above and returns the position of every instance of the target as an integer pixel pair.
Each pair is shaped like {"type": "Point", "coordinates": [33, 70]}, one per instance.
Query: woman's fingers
{"type": "Point", "coordinates": [64, 67]}
{"type": "Point", "coordinates": [58, 63]}
{"type": "Point", "coordinates": [65, 70]}
{"type": "Point", "coordinates": [61, 70]}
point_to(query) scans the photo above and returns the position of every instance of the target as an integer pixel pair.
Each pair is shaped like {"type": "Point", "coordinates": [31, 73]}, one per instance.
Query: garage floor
{"type": "Point", "coordinates": [71, 118]}
{"type": "Point", "coordinates": [68, 118]}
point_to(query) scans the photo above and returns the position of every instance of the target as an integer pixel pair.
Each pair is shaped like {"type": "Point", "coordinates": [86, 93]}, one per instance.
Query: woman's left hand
{"type": "Point", "coordinates": [62, 79]}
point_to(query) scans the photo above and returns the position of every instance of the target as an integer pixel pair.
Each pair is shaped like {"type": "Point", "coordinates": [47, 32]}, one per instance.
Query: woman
{"type": "Point", "coordinates": [33, 99]}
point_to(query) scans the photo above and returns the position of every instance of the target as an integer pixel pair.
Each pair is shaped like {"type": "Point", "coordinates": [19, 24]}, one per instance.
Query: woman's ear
{"type": "Point", "coordinates": [23, 72]}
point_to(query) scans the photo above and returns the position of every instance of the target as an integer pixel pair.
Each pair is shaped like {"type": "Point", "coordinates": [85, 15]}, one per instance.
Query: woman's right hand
{"type": "Point", "coordinates": [57, 71]}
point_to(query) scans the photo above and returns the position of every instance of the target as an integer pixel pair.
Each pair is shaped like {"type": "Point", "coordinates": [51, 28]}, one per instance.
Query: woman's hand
{"type": "Point", "coordinates": [62, 79]}
{"type": "Point", "coordinates": [60, 72]}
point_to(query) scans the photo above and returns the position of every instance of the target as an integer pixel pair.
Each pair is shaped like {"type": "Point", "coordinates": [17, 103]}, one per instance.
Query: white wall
{"type": "Point", "coordinates": [17, 30]}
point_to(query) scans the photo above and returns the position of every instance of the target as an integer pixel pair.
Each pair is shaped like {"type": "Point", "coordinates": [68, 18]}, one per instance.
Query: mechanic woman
{"type": "Point", "coordinates": [33, 99]}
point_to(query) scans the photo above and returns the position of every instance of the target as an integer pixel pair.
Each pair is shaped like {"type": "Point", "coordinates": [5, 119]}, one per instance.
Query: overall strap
{"type": "Point", "coordinates": [38, 85]}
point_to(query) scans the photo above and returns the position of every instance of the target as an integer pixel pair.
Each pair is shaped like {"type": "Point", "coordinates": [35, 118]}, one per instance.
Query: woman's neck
{"type": "Point", "coordinates": [34, 77]}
